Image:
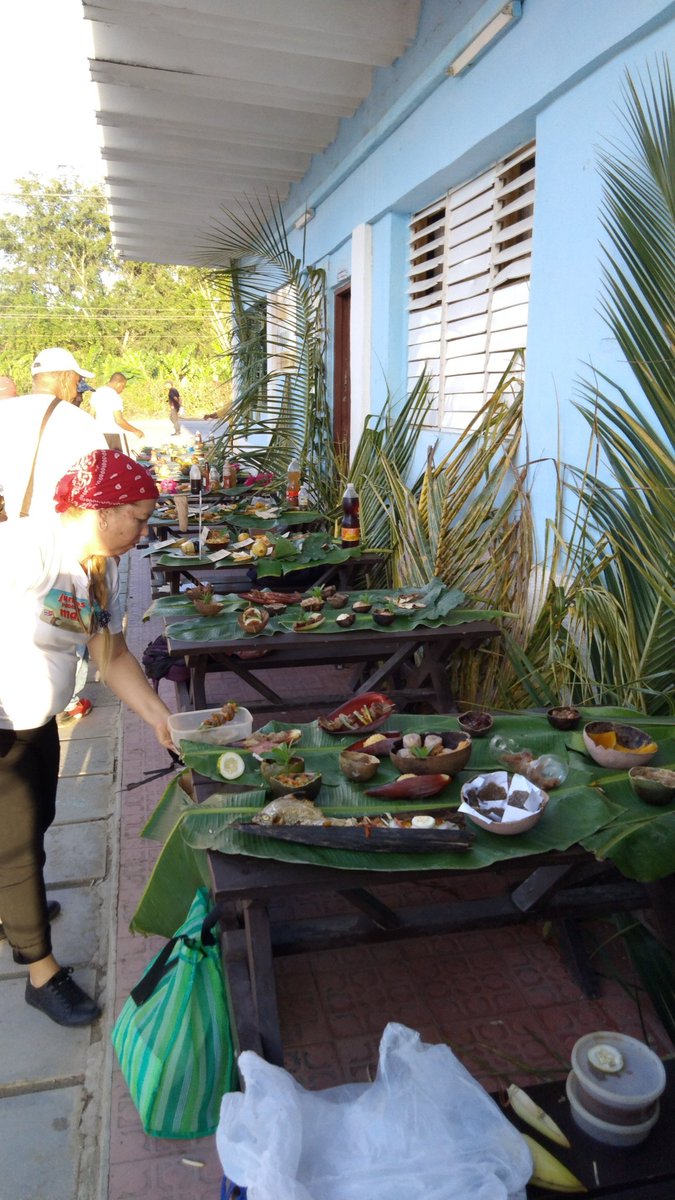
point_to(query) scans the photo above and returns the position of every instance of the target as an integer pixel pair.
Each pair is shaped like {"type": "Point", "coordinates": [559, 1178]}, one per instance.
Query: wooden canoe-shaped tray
{"type": "Point", "coordinates": [361, 837]}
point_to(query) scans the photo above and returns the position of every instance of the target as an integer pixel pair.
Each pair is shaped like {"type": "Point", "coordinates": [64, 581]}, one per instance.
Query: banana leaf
{"type": "Point", "coordinates": [169, 892]}
{"type": "Point", "coordinates": [640, 839]}
{"type": "Point", "coordinates": [175, 801]}
{"type": "Point", "coordinates": [178, 606]}
{"type": "Point", "coordinates": [285, 519]}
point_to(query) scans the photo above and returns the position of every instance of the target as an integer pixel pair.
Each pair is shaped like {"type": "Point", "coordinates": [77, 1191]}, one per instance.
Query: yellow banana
{"type": "Point", "coordinates": [548, 1172]}
{"type": "Point", "coordinates": [530, 1112]}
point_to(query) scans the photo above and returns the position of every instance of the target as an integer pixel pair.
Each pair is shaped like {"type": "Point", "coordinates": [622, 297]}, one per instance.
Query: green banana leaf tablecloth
{"type": "Point", "coordinates": [594, 809]}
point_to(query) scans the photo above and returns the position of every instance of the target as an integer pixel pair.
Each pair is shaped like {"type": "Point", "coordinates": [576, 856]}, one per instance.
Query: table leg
{"type": "Point", "coordinates": [261, 971]}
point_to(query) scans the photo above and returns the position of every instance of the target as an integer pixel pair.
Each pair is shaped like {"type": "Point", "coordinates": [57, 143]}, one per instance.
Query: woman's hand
{"type": "Point", "coordinates": [161, 732]}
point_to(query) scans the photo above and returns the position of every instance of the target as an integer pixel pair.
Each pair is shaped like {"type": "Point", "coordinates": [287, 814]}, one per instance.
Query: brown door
{"type": "Point", "coordinates": [342, 384]}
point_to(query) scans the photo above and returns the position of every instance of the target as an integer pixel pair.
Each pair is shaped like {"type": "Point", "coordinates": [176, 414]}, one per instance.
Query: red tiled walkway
{"type": "Point", "coordinates": [502, 999]}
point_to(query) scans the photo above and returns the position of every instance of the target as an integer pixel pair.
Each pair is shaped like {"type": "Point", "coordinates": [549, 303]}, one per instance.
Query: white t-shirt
{"type": "Point", "coordinates": [68, 435]}
{"type": "Point", "coordinates": [45, 614]}
{"type": "Point", "coordinates": [105, 402]}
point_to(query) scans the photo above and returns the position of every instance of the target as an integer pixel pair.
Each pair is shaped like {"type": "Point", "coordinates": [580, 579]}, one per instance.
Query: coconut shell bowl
{"type": "Point", "coordinates": [448, 753]}
{"type": "Point", "coordinates": [475, 722]}
{"type": "Point", "coordinates": [653, 785]}
{"type": "Point", "coordinates": [618, 747]}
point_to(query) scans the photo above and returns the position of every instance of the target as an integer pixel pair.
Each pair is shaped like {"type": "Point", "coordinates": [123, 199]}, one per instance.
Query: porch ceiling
{"type": "Point", "coordinates": [205, 103]}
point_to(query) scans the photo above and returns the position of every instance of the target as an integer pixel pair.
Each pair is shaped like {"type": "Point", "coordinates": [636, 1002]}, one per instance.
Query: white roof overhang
{"type": "Point", "coordinates": [205, 104]}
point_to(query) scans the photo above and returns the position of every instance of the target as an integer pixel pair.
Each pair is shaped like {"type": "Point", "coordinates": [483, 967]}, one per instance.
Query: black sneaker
{"type": "Point", "coordinates": [63, 1000]}
{"type": "Point", "coordinates": [53, 910]}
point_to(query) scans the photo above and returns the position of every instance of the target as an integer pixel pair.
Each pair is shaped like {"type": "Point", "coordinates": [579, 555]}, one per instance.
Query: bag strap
{"type": "Point", "coordinates": [162, 964]}
{"type": "Point", "coordinates": [28, 497]}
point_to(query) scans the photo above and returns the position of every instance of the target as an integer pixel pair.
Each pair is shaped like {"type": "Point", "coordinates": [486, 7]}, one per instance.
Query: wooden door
{"type": "Point", "coordinates": [342, 394]}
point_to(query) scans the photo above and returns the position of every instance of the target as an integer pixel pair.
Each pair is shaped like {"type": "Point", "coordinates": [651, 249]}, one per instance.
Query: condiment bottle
{"type": "Point", "coordinates": [303, 496]}
{"type": "Point", "coordinates": [229, 475]}
{"type": "Point", "coordinates": [214, 479]}
{"type": "Point", "coordinates": [351, 527]}
{"type": "Point", "coordinates": [195, 479]}
{"type": "Point", "coordinates": [293, 483]}
{"type": "Point", "coordinates": [206, 474]}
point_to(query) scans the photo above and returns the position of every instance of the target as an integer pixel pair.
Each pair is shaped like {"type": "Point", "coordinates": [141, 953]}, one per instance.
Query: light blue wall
{"type": "Point", "coordinates": [557, 74]}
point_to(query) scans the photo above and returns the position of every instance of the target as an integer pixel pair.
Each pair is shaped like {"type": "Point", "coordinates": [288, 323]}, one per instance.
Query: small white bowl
{"type": "Point", "coordinates": [603, 1131]}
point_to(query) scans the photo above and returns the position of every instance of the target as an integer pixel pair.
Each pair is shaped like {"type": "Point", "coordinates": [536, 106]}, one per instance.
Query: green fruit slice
{"type": "Point", "coordinates": [231, 765]}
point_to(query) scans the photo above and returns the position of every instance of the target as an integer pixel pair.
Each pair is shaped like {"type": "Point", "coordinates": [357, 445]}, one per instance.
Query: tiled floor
{"type": "Point", "coordinates": [502, 999]}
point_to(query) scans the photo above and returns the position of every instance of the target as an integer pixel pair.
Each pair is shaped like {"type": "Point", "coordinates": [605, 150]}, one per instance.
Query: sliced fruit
{"type": "Point", "coordinates": [606, 740]}
{"type": "Point", "coordinates": [231, 765]}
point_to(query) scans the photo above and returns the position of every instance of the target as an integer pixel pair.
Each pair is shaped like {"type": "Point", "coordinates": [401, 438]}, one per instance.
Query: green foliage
{"type": "Point", "coordinates": [63, 285]}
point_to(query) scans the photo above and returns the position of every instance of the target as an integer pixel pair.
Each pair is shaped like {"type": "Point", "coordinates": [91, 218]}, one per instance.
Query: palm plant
{"type": "Point", "coordinates": [278, 349]}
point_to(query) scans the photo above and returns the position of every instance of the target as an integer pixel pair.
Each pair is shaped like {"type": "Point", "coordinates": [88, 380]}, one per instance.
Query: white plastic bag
{"type": "Point", "coordinates": [425, 1129]}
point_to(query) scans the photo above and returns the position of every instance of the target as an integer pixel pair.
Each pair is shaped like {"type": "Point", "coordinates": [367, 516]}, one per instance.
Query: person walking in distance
{"type": "Point", "coordinates": [61, 594]}
{"type": "Point", "coordinates": [107, 406]}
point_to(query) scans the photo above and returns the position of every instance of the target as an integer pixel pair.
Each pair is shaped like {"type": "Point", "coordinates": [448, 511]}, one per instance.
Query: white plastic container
{"type": "Point", "coordinates": [605, 1131]}
{"type": "Point", "coordinates": [184, 726]}
{"type": "Point", "coordinates": [625, 1095]}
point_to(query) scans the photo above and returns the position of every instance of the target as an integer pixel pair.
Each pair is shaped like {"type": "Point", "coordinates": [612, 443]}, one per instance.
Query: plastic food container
{"type": "Point", "coordinates": [624, 1095]}
{"type": "Point", "coordinates": [184, 726]}
{"type": "Point", "coordinates": [605, 1131]}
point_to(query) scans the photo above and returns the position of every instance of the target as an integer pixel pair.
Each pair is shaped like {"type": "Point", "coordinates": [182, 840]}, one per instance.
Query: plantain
{"type": "Point", "coordinates": [530, 1112]}
{"type": "Point", "coordinates": [548, 1172]}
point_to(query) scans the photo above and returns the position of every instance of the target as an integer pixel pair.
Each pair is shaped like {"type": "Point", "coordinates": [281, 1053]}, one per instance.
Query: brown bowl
{"type": "Point", "coordinates": [337, 600]}
{"type": "Point", "coordinates": [308, 784]}
{"type": "Point", "coordinates": [269, 767]}
{"type": "Point", "coordinates": [654, 785]}
{"type": "Point", "coordinates": [476, 723]}
{"type": "Point", "coordinates": [564, 717]}
{"type": "Point", "coordinates": [206, 609]}
{"type": "Point", "coordinates": [358, 765]}
{"type": "Point", "coordinates": [454, 756]}
{"type": "Point", "coordinates": [631, 747]}
{"type": "Point", "coordinates": [382, 616]}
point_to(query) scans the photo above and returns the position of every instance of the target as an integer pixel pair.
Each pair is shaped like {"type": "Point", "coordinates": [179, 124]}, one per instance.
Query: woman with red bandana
{"type": "Point", "coordinates": [60, 591]}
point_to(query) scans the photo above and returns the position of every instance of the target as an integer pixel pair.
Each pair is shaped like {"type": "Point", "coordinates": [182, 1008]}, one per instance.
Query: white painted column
{"type": "Point", "coordinates": [360, 331]}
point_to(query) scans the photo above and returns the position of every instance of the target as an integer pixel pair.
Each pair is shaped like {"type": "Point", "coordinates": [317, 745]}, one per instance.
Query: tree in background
{"type": "Point", "coordinates": [62, 284]}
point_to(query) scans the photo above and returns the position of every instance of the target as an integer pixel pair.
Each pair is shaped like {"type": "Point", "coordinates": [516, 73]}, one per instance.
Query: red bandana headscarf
{"type": "Point", "coordinates": [104, 479]}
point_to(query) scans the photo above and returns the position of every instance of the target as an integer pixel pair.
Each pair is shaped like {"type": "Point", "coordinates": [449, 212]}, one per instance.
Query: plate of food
{"type": "Point", "coordinates": [296, 819]}
{"type": "Point", "coordinates": [362, 713]}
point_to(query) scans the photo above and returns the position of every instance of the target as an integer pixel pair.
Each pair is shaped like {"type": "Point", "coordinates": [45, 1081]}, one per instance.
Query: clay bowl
{"type": "Point", "coordinates": [631, 747]}
{"type": "Point", "coordinates": [358, 765]}
{"type": "Point", "coordinates": [654, 785]}
{"type": "Point", "coordinates": [454, 756]}
{"type": "Point", "coordinates": [476, 723]}
{"type": "Point", "coordinates": [309, 784]}
{"type": "Point", "coordinates": [565, 717]}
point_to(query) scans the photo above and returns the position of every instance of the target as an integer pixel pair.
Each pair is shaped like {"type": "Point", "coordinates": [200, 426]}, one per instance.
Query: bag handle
{"type": "Point", "coordinates": [28, 497]}
{"type": "Point", "coordinates": [162, 964]}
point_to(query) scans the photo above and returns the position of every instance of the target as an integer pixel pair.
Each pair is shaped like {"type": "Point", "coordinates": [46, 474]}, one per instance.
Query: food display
{"type": "Point", "coordinates": [293, 819]}
{"type": "Point", "coordinates": [503, 804]}
{"type": "Point", "coordinates": [476, 723]}
{"type": "Point", "coordinates": [253, 620]}
{"type": "Point", "coordinates": [547, 772]}
{"type": "Point", "coordinates": [613, 744]}
{"type": "Point", "coordinates": [411, 787]}
{"type": "Point", "coordinates": [362, 712]}
{"type": "Point", "coordinates": [432, 753]}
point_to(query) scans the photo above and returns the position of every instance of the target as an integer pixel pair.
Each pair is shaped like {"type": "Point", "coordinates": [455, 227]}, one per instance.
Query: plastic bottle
{"type": "Point", "coordinates": [206, 475]}
{"type": "Point", "coordinates": [214, 479]}
{"type": "Point", "coordinates": [195, 479]}
{"type": "Point", "coordinates": [229, 475]}
{"type": "Point", "coordinates": [293, 483]}
{"type": "Point", "coordinates": [3, 512]}
{"type": "Point", "coordinates": [351, 527]}
{"type": "Point", "coordinates": [303, 496]}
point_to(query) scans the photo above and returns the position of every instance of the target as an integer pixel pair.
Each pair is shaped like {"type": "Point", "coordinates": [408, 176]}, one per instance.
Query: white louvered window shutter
{"type": "Point", "coordinates": [465, 326]}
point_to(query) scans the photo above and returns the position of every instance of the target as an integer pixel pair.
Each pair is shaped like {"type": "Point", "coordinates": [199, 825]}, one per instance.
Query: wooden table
{"type": "Point", "coordinates": [241, 577]}
{"type": "Point", "coordinates": [379, 657]}
{"type": "Point", "coordinates": [557, 886]}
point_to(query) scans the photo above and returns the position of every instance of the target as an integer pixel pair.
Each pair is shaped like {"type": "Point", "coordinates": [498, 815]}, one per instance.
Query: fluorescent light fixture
{"type": "Point", "coordinates": [304, 219]}
{"type": "Point", "coordinates": [485, 37]}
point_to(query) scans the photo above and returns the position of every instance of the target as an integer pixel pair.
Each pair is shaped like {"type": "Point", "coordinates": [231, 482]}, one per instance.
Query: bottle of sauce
{"type": "Point", "coordinates": [206, 474]}
{"type": "Point", "coordinates": [229, 475]}
{"type": "Point", "coordinates": [303, 496]}
{"type": "Point", "coordinates": [351, 527]}
{"type": "Point", "coordinates": [195, 479]}
{"type": "Point", "coordinates": [293, 483]}
{"type": "Point", "coordinates": [214, 479]}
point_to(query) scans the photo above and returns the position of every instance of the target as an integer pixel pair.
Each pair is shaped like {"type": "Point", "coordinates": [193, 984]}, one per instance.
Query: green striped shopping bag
{"type": "Point", "coordinates": [173, 1038]}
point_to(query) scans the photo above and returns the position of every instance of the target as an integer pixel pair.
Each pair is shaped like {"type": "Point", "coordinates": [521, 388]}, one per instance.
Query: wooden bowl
{"type": "Point", "coordinates": [654, 785]}
{"type": "Point", "coordinates": [358, 765]}
{"type": "Point", "coordinates": [628, 746]}
{"type": "Point", "coordinates": [309, 785]}
{"type": "Point", "coordinates": [476, 723]}
{"type": "Point", "coordinates": [455, 756]}
{"type": "Point", "coordinates": [564, 717]}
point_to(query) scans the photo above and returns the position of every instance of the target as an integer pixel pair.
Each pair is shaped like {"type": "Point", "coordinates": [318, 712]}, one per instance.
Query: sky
{"type": "Point", "coordinates": [50, 127]}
